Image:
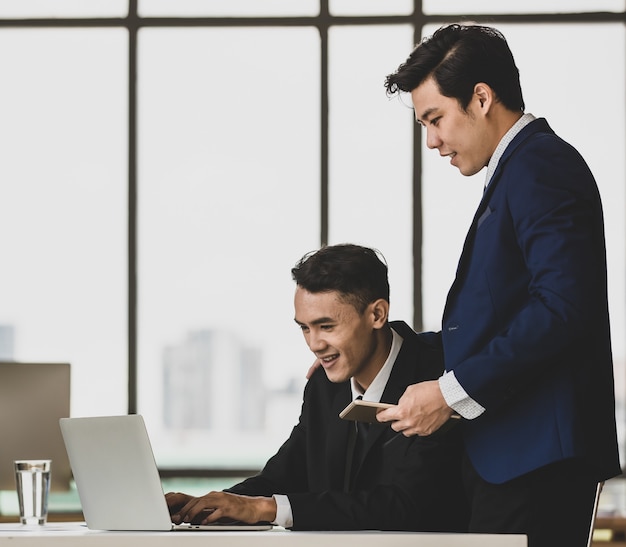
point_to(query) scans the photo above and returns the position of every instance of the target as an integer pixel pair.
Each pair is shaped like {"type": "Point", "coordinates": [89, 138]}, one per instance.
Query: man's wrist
{"type": "Point", "coordinates": [267, 509]}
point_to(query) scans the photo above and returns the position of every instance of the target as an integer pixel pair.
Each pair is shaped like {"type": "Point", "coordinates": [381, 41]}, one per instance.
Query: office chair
{"type": "Point", "coordinates": [594, 513]}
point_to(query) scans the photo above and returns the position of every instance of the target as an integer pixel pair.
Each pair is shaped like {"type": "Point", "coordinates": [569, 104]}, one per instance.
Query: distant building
{"type": "Point", "coordinates": [7, 343]}
{"type": "Point", "coordinates": [213, 381]}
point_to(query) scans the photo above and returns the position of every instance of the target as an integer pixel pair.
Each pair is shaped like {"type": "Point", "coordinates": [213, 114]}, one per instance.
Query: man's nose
{"type": "Point", "coordinates": [316, 342]}
{"type": "Point", "coordinates": [432, 139]}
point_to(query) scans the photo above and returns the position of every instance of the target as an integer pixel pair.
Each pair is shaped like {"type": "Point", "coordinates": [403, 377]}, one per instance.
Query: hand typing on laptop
{"type": "Point", "coordinates": [218, 507]}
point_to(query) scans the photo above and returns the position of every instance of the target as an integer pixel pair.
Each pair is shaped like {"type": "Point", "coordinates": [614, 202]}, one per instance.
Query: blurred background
{"type": "Point", "coordinates": [164, 164]}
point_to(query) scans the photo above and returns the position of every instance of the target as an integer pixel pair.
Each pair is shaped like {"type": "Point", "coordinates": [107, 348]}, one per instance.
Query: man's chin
{"type": "Point", "coordinates": [336, 377]}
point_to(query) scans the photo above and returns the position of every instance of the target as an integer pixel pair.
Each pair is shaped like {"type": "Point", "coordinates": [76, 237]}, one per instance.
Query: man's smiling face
{"type": "Point", "coordinates": [341, 338]}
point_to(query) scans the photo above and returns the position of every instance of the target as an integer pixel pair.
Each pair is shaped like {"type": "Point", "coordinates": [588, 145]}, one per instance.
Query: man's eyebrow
{"type": "Point", "coordinates": [426, 114]}
{"type": "Point", "coordinates": [320, 321]}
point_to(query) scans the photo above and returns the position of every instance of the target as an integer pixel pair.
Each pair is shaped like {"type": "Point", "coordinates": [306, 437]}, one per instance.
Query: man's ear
{"type": "Point", "coordinates": [485, 96]}
{"type": "Point", "coordinates": [380, 313]}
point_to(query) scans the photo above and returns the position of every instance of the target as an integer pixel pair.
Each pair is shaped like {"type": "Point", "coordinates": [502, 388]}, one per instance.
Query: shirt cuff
{"type": "Point", "coordinates": [457, 398]}
{"type": "Point", "coordinates": [284, 516]}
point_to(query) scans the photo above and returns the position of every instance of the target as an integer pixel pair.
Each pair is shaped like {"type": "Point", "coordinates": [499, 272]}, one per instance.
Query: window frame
{"type": "Point", "coordinates": [322, 22]}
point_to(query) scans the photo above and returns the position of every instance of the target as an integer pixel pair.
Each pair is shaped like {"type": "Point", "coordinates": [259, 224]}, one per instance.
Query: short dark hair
{"type": "Point", "coordinates": [458, 57]}
{"type": "Point", "coordinates": [358, 273]}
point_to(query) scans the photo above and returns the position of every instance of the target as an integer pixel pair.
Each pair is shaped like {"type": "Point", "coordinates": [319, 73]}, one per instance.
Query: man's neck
{"type": "Point", "coordinates": [503, 120]}
{"type": "Point", "coordinates": [385, 339]}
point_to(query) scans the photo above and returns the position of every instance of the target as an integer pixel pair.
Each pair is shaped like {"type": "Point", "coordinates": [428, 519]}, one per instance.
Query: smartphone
{"type": "Point", "coordinates": [363, 411]}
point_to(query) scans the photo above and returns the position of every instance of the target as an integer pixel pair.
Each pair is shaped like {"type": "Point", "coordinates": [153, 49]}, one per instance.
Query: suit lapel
{"type": "Point", "coordinates": [533, 127]}
{"type": "Point", "coordinates": [338, 435]}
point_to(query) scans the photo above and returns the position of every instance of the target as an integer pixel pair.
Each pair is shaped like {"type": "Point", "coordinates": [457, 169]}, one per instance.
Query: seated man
{"type": "Point", "coordinates": [324, 477]}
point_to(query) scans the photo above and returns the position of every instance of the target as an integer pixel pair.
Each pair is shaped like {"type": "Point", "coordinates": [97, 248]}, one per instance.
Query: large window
{"type": "Point", "coordinates": [228, 200]}
{"type": "Point", "coordinates": [164, 163]}
{"type": "Point", "coordinates": [63, 206]}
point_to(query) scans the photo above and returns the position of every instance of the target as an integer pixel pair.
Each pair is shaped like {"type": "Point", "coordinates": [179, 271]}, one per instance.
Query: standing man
{"type": "Point", "coordinates": [525, 329]}
{"type": "Point", "coordinates": [326, 476]}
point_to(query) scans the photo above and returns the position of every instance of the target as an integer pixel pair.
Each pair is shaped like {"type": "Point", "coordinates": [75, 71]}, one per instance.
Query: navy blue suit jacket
{"type": "Point", "coordinates": [403, 483]}
{"type": "Point", "coordinates": [526, 326]}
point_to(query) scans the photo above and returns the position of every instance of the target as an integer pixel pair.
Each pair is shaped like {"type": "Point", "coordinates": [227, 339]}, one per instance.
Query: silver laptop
{"type": "Point", "coordinates": [117, 477]}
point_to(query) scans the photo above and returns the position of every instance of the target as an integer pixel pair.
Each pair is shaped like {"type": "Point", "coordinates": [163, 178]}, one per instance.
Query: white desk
{"type": "Point", "coordinates": [75, 534]}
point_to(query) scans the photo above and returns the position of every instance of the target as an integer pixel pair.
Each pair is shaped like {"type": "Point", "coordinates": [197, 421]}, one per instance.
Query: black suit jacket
{"type": "Point", "coordinates": [402, 483]}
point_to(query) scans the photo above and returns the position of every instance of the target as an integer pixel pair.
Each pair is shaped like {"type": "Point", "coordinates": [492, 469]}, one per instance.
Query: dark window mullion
{"type": "Point", "coordinates": [133, 26]}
